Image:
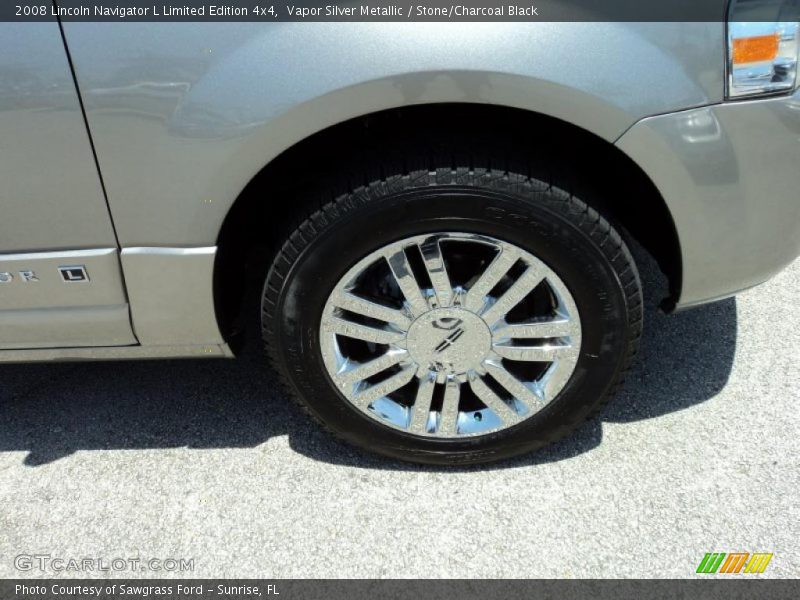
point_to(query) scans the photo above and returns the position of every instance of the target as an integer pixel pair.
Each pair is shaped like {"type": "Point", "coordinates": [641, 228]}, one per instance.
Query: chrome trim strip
{"type": "Point", "coordinates": [115, 353]}
{"type": "Point", "coordinates": [159, 251]}
{"type": "Point", "coordinates": [58, 254]}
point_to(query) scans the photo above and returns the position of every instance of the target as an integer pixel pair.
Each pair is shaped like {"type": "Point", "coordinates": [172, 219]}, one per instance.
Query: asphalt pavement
{"type": "Point", "coordinates": [207, 463]}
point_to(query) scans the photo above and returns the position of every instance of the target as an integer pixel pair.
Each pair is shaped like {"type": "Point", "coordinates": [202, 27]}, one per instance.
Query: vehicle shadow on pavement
{"type": "Point", "coordinates": [54, 410]}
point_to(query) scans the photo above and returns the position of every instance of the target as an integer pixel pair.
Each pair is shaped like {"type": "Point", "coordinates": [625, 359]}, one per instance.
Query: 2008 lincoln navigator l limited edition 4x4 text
{"type": "Point", "coordinates": [439, 214]}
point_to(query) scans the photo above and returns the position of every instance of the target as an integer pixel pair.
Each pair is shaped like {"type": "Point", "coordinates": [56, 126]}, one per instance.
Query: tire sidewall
{"type": "Point", "coordinates": [543, 222]}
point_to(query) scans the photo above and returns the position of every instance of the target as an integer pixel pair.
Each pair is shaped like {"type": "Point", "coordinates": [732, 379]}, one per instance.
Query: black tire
{"type": "Point", "coordinates": [570, 237]}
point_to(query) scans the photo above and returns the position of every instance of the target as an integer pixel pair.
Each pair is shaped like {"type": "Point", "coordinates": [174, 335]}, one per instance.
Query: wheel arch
{"type": "Point", "coordinates": [619, 188]}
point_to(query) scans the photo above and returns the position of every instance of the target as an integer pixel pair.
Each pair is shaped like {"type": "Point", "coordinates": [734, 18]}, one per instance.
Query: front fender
{"type": "Point", "coordinates": [185, 115]}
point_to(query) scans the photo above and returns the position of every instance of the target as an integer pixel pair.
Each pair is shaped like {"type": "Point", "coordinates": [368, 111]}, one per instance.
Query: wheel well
{"type": "Point", "coordinates": [317, 169]}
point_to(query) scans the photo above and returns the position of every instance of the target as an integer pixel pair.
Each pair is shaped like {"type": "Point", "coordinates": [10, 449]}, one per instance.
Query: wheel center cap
{"type": "Point", "coordinates": [449, 340]}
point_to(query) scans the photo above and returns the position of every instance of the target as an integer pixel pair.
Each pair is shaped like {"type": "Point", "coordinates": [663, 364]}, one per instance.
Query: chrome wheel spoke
{"type": "Point", "coordinates": [555, 379]}
{"type": "Point", "coordinates": [532, 353]}
{"type": "Point", "coordinates": [543, 329]}
{"type": "Point", "coordinates": [437, 271]}
{"type": "Point", "coordinates": [493, 402]}
{"type": "Point", "coordinates": [514, 295]}
{"type": "Point", "coordinates": [421, 410]}
{"type": "Point", "coordinates": [373, 367]}
{"type": "Point", "coordinates": [408, 284]}
{"type": "Point", "coordinates": [476, 296]}
{"type": "Point", "coordinates": [357, 331]}
{"type": "Point", "coordinates": [368, 395]}
{"type": "Point", "coordinates": [371, 309]}
{"type": "Point", "coordinates": [515, 387]}
{"type": "Point", "coordinates": [448, 418]}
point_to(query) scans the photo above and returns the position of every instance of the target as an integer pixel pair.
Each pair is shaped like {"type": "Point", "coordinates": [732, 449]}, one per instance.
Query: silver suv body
{"type": "Point", "coordinates": [132, 151]}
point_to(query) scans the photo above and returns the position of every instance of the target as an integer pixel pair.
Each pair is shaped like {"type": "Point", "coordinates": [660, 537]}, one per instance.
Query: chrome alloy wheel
{"type": "Point", "coordinates": [450, 335]}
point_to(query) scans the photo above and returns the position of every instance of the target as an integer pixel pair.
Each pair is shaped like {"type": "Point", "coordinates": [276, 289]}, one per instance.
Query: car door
{"type": "Point", "coordinates": [60, 277]}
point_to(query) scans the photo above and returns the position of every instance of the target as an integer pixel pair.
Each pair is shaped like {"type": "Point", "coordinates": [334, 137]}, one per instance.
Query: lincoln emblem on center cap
{"type": "Point", "coordinates": [449, 340]}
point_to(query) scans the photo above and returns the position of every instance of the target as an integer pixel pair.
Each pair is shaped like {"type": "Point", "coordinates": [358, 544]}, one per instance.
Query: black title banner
{"type": "Point", "coordinates": [411, 589]}
{"type": "Point", "coordinates": [402, 10]}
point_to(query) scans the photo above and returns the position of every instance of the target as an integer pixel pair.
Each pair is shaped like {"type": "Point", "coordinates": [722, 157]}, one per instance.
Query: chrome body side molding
{"type": "Point", "coordinates": [114, 353]}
